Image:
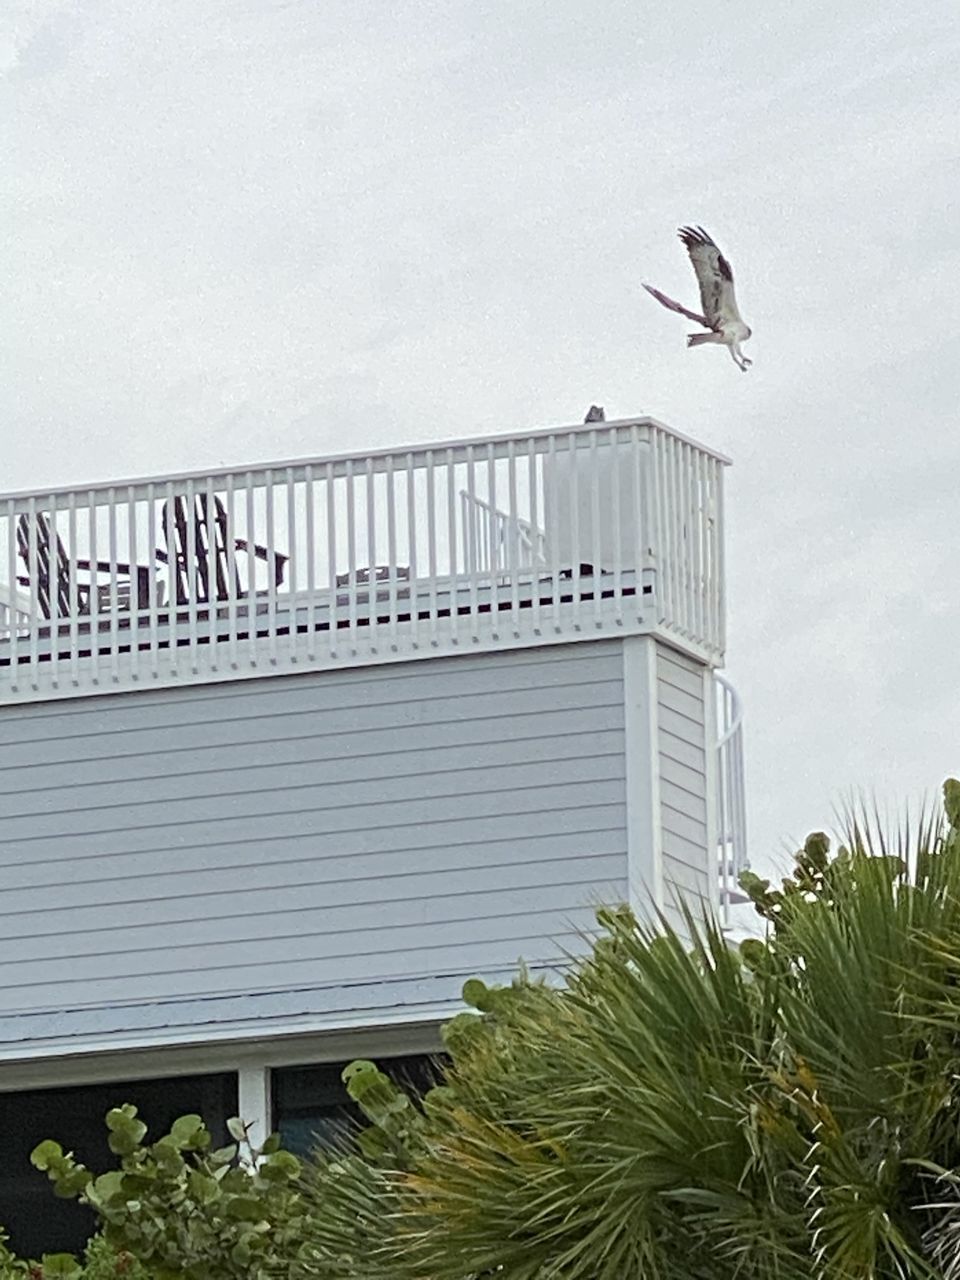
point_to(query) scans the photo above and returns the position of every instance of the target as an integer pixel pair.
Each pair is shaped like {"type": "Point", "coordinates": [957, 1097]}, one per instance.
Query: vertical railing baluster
{"type": "Point", "coordinates": [676, 549]}
{"type": "Point", "coordinates": [663, 584]}
{"type": "Point", "coordinates": [653, 553]}
{"type": "Point", "coordinates": [372, 609]}
{"type": "Point", "coordinates": [193, 619]}
{"type": "Point", "coordinates": [616, 515]}
{"type": "Point", "coordinates": [692, 502]}
{"type": "Point", "coordinates": [465, 518]}
{"type": "Point", "coordinates": [252, 608]}
{"type": "Point", "coordinates": [214, 570]}
{"type": "Point", "coordinates": [94, 596]}
{"type": "Point", "coordinates": [433, 566]}
{"type": "Point", "coordinates": [333, 612]}
{"type": "Point", "coordinates": [689, 539]}
{"type": "Point", "coordinates": [14, 614]}
{"type": "Point", "coordinates": [706, 521]}
{"type": "Point", "coordinates": [513, 538]}
{"type": "Point", "coordinates": [698, 516]}
{"type": "Point", "coordinates": [638, 494]}
{"type": "Point", "coordinates": [353, 629]}
{"type": "Point", "coordinates": [55, 568]}
{"type": "Point", "coordinates": [168, 519]}
{"type": "Point", "coordinates": [720, 634]}
{"type": "Point", "coordinates": [710, 535]}
{"type": "Point", "coordinates": [113, 588]}
{"type": "Point", "coordinates": [553, 458]}
{"type": "Point", "coordinates": [233, 587]}
{"type": "Point", "coordinates": [412, 573]}
{"type": "Point", "coordinates": [293, 582]}
{"type": "Point", "coordinates": [573, 482]}
{"type": "Point", "coordinates": [311, 586]}
{"type": "Point", "coordinates": [392, 567]}
{"type": "Point", "coordinates": [669, 609]}
{"type": "Point", "coordinates": [494, 525]}
{"type": "Point", "coordinates": [676, 536]}
{"type": "Point", "coordinates": [655, 556]}
{"type": "Point", "coordinates": [133, 558]}
{"type": "Point", "coordinates": [474, 584]}
{"type": "Point", "coordinates": [271, 542]}
{"type": "Point", "coordinates": [452, 539]}
{"type": "Point", "coordinates": [153, 582]}
{"type": "Point", "coordinates": [596, 547]}
{"type": "Point", "coordinates": [73, 625]}
{"type": "Point", "coordinates": [532, 482]}
{"type": "Point", "coordinates": [36, 599]}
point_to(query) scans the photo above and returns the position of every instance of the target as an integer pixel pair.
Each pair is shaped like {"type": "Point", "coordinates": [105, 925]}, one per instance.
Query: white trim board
{"type": "Point", "coordinates": [644, 834]}
{"type": "Point", "coordinates": [244, 1057]}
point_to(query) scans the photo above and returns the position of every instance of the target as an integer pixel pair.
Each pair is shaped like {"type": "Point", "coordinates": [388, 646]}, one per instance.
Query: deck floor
{"type": "Point", "coordinates": [416, 606]}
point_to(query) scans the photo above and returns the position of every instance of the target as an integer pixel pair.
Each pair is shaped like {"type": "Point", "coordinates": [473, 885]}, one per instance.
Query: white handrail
{"type": "Point", "coordinates": [514, 541]}
{"type": "Point", "coordinates": [644, 423]}
{"type": "Point", "coordinates": [731, 795]}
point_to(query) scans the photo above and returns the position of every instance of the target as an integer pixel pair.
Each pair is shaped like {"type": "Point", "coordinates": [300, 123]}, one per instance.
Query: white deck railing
{"type": "Point", "coordinates": [503, 541]}
{"type": "Point", "coordinates": [731, 796]}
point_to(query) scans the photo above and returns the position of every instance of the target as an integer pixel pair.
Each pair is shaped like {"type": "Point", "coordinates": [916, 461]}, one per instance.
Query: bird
{"type": "Point", "coordinates": [720, 313]}
{"type": "Point", "coordinates": [595, 414]}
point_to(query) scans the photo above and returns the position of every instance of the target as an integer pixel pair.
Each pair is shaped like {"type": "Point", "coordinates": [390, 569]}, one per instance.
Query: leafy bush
{"type": "Point", "coordinates": [100, 1262]}
{"type": "Point", "coordinates": [183, 1209]}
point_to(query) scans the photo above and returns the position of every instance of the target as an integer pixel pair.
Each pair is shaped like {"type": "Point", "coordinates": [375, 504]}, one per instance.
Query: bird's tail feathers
{"type": "Point", "coordinates": [698, 339]}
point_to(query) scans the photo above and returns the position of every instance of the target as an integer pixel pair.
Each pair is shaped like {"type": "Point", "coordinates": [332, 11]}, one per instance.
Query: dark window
{"type": "Point", "coordinates": [36, 1220]}
{"type": "Point", "coordinates": [311, 1106]}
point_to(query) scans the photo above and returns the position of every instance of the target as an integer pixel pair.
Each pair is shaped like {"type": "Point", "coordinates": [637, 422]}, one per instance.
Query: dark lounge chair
{"type": "Point", "coordinates": [49, 573]}
{"type": "Point", "coordinates": [203, 568]}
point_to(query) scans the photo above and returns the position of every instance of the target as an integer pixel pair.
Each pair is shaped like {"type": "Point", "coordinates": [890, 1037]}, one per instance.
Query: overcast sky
{"type": "Point", "coordinates": [244, 230]}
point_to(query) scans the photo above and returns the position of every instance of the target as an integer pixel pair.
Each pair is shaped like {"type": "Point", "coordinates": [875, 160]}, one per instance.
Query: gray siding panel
{"type": "Point", "coordinates": [262, 843]}
{"type": "Point", "coordinates": [682, 748]}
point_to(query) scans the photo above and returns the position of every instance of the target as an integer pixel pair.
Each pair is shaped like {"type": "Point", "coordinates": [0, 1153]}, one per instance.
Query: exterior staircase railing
{"type": "Point", "coordinates": [731, 797]}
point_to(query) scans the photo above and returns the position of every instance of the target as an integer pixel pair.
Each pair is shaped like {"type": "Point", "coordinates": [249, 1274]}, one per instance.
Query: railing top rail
{"type": "Point", "coordinates": [420, 449]}
{"type": "Point", "coordinates": [734, 706]}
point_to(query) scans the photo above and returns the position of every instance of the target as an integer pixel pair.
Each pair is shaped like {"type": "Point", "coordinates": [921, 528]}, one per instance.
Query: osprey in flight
{"type": "Point", "coordinates": [720, 314]}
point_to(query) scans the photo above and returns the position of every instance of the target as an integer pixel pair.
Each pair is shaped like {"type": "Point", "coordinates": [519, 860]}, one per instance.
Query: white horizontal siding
{"type": "Point", "coordinates": [682, 754]}
{"type": "Point", "coordinates": [389, 825]}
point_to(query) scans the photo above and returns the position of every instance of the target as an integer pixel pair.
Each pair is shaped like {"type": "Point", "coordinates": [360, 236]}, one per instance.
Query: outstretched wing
{"type": "Point", "coordinates": [675, 306]}
{"type": "Point", "coordinates": [714, 277]}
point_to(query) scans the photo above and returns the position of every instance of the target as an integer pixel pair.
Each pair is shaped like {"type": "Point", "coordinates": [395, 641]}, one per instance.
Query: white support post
{"type": "Point", "coordinates": [644, 821]}
{"type": "Point", "coordinates": [253, 1101]}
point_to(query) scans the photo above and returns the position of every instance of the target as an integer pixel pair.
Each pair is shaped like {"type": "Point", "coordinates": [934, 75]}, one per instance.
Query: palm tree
{"type": "Point", "coordinates": [786, 1110]}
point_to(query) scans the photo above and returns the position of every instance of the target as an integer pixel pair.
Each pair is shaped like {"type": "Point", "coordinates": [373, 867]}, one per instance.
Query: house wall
{"type": "Point", "coordinates": [312, 850]}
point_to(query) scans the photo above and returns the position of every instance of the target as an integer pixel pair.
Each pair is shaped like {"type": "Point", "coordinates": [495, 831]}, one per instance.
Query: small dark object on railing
{"type": "Point", "coordinates": [595, 414]}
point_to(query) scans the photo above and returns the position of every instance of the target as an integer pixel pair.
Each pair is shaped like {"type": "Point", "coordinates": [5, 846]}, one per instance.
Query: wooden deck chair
{"type": "Point", "coordinates": [48, 571]}
{"type": "Point", "coordinates": [211, 554]}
